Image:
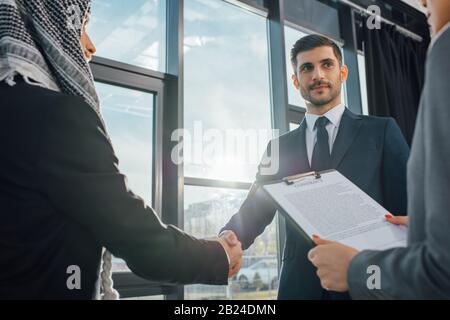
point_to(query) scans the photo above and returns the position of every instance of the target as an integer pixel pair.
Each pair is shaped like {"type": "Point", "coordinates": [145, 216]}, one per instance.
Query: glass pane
{"type": "Point", "coordinates": [226, 95]}
{"type": "Point", "coordinates": [130, 31]}
{"type": "Point", "coordinates": [206, 211]}
{"type": "Point", "coordinates": [293, 126]}
{"type": "Point", "coordinates": [363, 83]}
{"type": "Point", "coordinates": [129, 119]}
{"type": "Point", "coordinates": [291, 36]}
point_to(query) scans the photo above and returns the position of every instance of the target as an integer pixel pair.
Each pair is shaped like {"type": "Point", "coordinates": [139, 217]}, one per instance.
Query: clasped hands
{"type": "Point", "coordinates": [233, 248]}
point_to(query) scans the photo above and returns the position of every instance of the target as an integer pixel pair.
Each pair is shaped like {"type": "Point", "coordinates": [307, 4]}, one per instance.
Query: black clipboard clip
{"type": "Point", "coordinates": [299, 177]}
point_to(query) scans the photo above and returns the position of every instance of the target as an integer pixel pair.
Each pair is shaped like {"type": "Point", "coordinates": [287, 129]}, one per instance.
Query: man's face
{"type": "Point", "coordinates": [319, 76]}
{"type": "Point", "coordinates": [438, 13]}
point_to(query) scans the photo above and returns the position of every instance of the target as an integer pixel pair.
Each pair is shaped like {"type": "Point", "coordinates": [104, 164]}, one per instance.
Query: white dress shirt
{"type": "Point", "coordinates": [335, 116]}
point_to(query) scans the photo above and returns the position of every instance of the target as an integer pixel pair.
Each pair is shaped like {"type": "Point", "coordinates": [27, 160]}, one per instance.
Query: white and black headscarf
{"type": "Point", "coordinates": [40, 40]}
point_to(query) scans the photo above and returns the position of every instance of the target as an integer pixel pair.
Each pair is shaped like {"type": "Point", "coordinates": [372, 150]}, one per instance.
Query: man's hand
{"type": "Point", "coordinates": [233, 247]}
{"type": "Point", "coordinates": [398, 220]}
{"type": "Point", "coordinates": [332, 260]}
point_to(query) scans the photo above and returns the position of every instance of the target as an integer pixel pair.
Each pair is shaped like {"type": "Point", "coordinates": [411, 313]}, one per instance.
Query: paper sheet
{"type": "Point", "coordinates": [336, 209]}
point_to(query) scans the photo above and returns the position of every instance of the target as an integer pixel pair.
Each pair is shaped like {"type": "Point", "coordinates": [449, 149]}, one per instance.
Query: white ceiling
{"type": "Point", "coordinates": [415, 4]}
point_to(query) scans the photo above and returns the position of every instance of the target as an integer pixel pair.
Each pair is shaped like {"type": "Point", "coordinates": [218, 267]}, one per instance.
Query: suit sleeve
{"type": "Point", "coordinates": [395, 158]}
{"type": "Point", "coordinates": [79, 174]}
{"type": "Point", "coordinates": [422, 270]}
{"type": "Point", "coordinates": [257, 211]}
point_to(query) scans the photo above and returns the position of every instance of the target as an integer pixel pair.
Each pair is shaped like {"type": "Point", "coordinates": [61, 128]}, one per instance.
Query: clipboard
{"type": "Point", "coordinates": [290, 180]}
{"type": "Point", "coordinates": [344, 201]}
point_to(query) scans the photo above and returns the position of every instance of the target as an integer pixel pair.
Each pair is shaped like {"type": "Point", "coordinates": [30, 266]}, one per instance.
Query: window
{"type": "Point", "coordinates": [128, 115]}
{"type": "Point", "coordinates": [129, 119]}
{"type": "Point", "coordinates": [363, 83]}
{"type": "Point", "coordinates": [293, 126]}
{"type": "Point", "coordinates": [227, 105]}
{"type": "Point", "coordinates": [130, 31]}
{"type": "Point", "coordinates": [226, 89]}
{"type": "Point", "coordinates": [206, 212]}
{"type": "Point", "coordinates": [291, 36]}
{"type": "Point", "coordinates": [295, 117]}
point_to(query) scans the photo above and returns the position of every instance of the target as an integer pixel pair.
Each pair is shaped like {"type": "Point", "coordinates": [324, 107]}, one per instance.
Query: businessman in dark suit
{"type": "Point", "coordinates": [422, 269]}
{"type": "Point", "coordinates": [370, 151]}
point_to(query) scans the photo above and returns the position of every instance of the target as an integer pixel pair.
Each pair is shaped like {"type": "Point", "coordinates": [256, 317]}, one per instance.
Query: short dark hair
{"type": "Point", "coordinates": [311, 42]}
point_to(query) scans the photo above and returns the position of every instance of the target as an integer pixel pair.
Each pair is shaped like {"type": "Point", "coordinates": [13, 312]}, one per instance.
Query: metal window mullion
{"type": "Point", "coordinates": [117, 65]}
{"type": "Point", "coordinates": [278, 86]}
{"type": "Point", "coordinates": [172, 173]}
{"type": "Point", "coordinates": [213, 183]}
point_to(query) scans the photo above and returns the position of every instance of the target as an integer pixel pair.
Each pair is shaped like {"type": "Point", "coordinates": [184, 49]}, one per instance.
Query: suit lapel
{"type": "Point", "coordinates": [348, 130]}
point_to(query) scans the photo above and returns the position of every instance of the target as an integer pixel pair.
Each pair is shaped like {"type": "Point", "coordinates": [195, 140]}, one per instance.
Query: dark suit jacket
{"type": "Point", "coordinates": [370, 151]}
{"type": "Point", "coordinates": [62, 198]}
{"type": "Point", "coordinates": [422, 270]}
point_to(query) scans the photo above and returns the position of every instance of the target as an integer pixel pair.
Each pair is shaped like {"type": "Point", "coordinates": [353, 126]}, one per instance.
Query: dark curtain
{"type": "Point", "coordinates": [395, 66]}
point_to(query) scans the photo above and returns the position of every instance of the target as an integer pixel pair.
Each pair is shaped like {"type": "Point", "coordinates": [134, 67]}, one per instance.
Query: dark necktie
{"type": "Point", "coordinates": [321, 159]}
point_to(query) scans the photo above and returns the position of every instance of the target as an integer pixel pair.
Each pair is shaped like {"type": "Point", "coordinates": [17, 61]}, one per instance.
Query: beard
{"type": "Point", "coordinates": [320, 99]}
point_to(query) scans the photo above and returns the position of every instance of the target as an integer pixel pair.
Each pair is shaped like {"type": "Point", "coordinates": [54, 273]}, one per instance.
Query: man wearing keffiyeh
{"type": "Point", "coordinates": [62, 197]}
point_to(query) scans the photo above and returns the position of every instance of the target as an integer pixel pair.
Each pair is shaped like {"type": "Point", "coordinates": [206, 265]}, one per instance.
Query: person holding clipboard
{"type": "Point", "coordinates": [422, 269]}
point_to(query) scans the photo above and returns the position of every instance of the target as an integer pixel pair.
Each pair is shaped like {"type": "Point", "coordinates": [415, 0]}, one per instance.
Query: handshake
{"type": "Point", "coordinates": [233, 248]}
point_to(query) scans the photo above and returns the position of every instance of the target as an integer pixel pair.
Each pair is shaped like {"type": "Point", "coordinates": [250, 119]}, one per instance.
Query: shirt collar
{"type": "Point", "coordinates": [438, 35]}
{"type": "Point", "coordinates": [334, 115]}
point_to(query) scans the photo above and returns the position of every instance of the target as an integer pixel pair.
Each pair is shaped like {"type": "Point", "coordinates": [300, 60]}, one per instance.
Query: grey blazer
{"type": "Point", "coordinates": [422, 270]}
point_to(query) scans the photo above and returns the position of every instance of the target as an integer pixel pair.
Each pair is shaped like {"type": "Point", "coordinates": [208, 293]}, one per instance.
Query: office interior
{"type": "Point", "coordinates": [205, 65]}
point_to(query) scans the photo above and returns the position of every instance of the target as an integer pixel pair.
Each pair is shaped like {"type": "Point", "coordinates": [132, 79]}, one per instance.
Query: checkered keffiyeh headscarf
{"type": "Point", "coordinates": [40, 40]}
